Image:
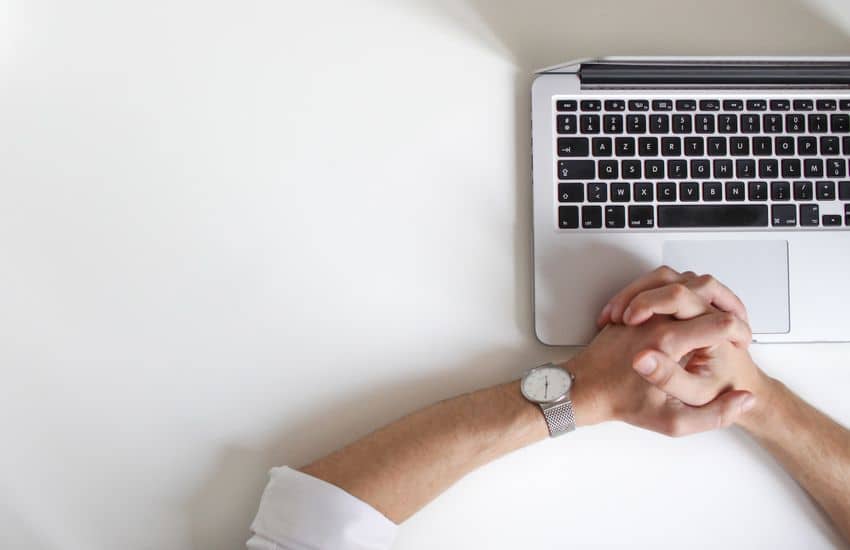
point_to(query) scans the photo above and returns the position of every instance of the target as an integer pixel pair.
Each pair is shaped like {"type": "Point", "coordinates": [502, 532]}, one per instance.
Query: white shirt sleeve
{"type": "Point", "coordinates": [301, 512]}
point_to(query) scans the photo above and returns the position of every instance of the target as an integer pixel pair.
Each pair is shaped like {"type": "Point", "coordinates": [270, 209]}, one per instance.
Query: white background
{"type": "Point", "coordinates": [238, 234]}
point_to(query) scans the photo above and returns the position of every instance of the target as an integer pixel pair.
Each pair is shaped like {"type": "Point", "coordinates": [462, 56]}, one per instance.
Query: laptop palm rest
{"type": "Point", "coordinates": [757, 271]}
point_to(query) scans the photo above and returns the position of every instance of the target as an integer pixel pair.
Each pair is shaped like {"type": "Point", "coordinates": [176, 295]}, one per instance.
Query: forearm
{"type": "Point", "coordinates": [812, 447]}
{"type": "Point", "coordinates": [403, 466]}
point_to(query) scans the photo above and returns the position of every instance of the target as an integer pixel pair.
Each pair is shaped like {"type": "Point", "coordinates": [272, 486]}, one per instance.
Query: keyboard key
{"type": "Point", "coordinates": [772, 124]}
{"type": "Point", "coordinates": [828, 145]}
{"type": "Point", "coordinates": [809, 215]}
{"type": "Point", "coordinates": [803, 104]}
{"type": "Point", "coordinates": [739, 146]}
{"type": "Point", "coordinates": [758, 191]}
{"type": "Point", "coordinates": [762, 146]}
{"type": "Point", "coordinates": [784, 146]}
{"type": "Point", "coordinates": [568, 217]}
{"type": "Point", "coordinates": [847, 215]}
{"type": "Point", "coordinates": [677, 169]}
{"type": "Point", "coordinates": [790, 168]}
{"type": "Point", "coordinates": [844, 190]}
{"type": "Point", "coordinates": [750, 124]}
{"type": "Point", "coordinates": [621, 192]}
{"type": "Point", "coordinates": [780, 105]}
{"type": "Point", "coordinates": [609, 169]}
{"type": "Point", "coordinates": [566, 124]}
{"type": "Point", "coordinates": [796, 124]}
{"type": "Point", "coordinates": [689, 191]}
{"type": "Point", "coordinates": [704, 124]}
{"type": "Point", "coordinates": [803, 191]}
{"type": "Point", "coordinates": [576, 170]}
{"type": "Point", "coordinates": [666, 192]}
{"type": "Point", "coordinates": [723, 168]}
{"type": "Point", "coordinates": [839, 124]}
{"type": "Point", "coordinates": [572, 147]}
{"type": "Point", "coordinates": [807, 145]}
{"type": "Point", "coordinates": [756, 105]}
{"type": "Point", "coordinates": [831, 219]}
{"type": "Point", "coordinates": [727, 124]}
{"type": "Point", "coordinates": [844, 104]}
{"type": "Point", "coordinates": [624, 146]}
{"type": "Point", "coordinates": [682, 124]}
{"type": "Point", "coordinates": [825, 190]}
{"type": "Point", "coordinates": [671, 146]}
{"type": "Point", "coordinates": [615, 217]}
{"type": "Point", "coordinates": [745, 168]}
{"type": "Point", "coordinates": [643, 192]}
{"type": "Point", "coordinates": [641, 216]}
{"type": "Point", "coordinates": [826, 105]}
{"type": "Point", "coordinates": [571, 192]}
{"type": "Point", "coordinates": [813, 168]}
{"type": "Point", "coordinates": [638, 105]}
{"type": "Point", "coordinates": [591, 217]}
{"type": "Point", "coordinates": [783, 215]}
{"type": "Point", "coordinates": [712, 191]}
{"type": "Point", "coordinates": [735, 191]}
{"type": "Point", "coordinates": [726, 215]}
{"type": "Point", "coordinates": [733, 105]}
{"type": "Point", "coordinates": [662, 105]}
{"type": "Point", "coordinates": [780, 191]}
{"type": "Point", "coordinates": [686, 105]}
{"type": "Point", "coordinates": [566, 105]}
{"type": "Point", "coordinates": [654, 169]}
{"type": "Point", "coordinates": [636, 124]}
{"type": "Point", "coordinates": [648, 146]}
{"type": "Point", "coordinates": [817, 124]}
{"type": "Point", "coordinates": [613, 124]}
{"type": "Point", "coordinates": [591, 105]}
{"type": "Point", "coordinates": [631, 169]}
{"type": "Point", "coordinates": [836, 168]}
{"type": "Point", "coordinates": [694, 146]}
{"type": "Point", "coordinates": [845, 145]}
{"type": "Point", "coordinates": [602, 147]}
{"type": "Point", "coordinates": [659, 124]}
{"type": "Point", "coordinates": [615, 105]}
{"type": "Point", "coordinates": [768, 168]}
{"type": "Point", "coordinates": [597, 192]}
{"type": "Point", "coordinates": [709, 105]}
{"type": "Point", "coordinates": [717, 146]}
{"type": "Point", "coordinates": [589, 124]}
{"type": "Point", "coordinates": [700, 169]}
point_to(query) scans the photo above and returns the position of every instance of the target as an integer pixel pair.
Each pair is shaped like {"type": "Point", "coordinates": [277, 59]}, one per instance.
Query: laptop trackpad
{"type": "Point", "coordinates": [757, 271]}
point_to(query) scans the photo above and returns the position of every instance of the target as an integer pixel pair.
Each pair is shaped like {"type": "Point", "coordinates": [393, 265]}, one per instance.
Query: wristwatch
{"type": "Point", "coordinates": [549, 386]}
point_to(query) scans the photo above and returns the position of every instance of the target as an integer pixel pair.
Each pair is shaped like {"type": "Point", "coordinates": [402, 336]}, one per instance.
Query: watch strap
{"type": "Point", "coordinates": [560, 417]}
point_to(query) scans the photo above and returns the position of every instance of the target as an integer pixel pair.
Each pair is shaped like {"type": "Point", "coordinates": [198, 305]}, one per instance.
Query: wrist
{"type": "Point", "coordinates": [768, 405]}
{"type": "Point", "coordinates": [588, 395]}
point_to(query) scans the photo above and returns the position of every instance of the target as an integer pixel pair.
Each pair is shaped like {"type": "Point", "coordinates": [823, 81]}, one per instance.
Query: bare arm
{"type": "Point", "coordinates": [812, 447]}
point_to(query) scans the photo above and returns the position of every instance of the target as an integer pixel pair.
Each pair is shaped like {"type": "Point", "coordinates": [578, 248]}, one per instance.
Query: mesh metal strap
{"type": "Point", "coordinates": [560, 418]}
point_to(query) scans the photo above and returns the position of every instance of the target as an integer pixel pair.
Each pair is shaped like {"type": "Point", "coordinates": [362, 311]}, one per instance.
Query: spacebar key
{"type": "Point", "coordinates": [715, 215]}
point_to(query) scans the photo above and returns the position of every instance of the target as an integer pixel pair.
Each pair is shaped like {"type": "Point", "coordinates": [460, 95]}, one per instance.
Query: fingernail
{"type": "Point", "coordinates": [748, 403]}
{"type": "Point", "coordinates": [627, 314]}
{"type": "Point", "coordinates": [646, 365]}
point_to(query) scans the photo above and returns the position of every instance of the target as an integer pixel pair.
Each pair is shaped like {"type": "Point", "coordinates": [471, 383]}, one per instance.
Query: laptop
{"type": "Point", "coordinates": [735, 167]}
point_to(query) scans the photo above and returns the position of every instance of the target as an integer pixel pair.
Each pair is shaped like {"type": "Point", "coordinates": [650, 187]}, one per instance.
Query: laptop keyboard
{"type": "Point", "coordinates": [702, 163]}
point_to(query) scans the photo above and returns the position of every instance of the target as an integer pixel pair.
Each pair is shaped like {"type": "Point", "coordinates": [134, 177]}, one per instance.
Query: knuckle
{"type": "Point", "coordinates": [726, 321]}
{"type": "Point", "coordinates": [678, 291]}
{"type": "Point", "coordinates": [664, 340]}
{"type": "Point", "coordinates": [675, 427]}
{"type": "Point", "coordinates": [666, 272]}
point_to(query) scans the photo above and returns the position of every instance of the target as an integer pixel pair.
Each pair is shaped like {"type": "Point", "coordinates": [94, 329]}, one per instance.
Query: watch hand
{"type": "Point", "coordinates": [546, 389]}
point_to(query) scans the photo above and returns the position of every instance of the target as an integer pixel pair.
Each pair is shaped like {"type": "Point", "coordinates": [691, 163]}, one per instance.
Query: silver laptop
{"type": "Point", "coordinates": [731, 166]}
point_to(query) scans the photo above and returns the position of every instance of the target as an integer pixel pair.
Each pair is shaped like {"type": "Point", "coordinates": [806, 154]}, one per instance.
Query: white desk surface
{"type": "Point", "coordinates": [238, 234]}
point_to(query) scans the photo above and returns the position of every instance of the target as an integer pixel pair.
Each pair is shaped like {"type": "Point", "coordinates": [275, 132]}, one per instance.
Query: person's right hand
{"type": "Point", "coordinates": [678, 366]}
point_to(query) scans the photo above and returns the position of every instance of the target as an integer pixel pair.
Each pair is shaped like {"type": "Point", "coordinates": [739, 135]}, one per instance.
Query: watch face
{"type": "Point", "coordinates": [546, 384]}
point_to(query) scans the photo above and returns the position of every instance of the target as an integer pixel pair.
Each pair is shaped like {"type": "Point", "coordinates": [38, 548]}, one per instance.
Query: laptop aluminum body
{"type": "Point", "coordinates": [795, 280]}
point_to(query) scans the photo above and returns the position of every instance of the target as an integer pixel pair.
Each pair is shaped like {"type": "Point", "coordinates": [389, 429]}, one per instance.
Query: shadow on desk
{"type": "Point", "coordinates": [532, 34]}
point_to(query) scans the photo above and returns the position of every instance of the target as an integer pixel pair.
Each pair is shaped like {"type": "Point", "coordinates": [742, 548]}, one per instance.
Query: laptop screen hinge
{"type": "Point", "coordinates": [744, 75]}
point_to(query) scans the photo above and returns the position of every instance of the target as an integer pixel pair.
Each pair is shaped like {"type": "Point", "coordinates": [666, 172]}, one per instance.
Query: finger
{"type": "Point", "coordinates": [668, 376]}
{"type": "Point", "coordinates": [679, 338]}
{"type": "Point", "coordinates": [718, 294]}
{"type": "Point", "coordinates": [725, 410]}
{"type": "Point", "coordinates": [613, 310]}
{"type": "Point", "coordinates": [675, 299]}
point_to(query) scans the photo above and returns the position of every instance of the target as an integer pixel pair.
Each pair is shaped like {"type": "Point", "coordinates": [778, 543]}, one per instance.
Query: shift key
{"type": "Point", "coordinates": [576, 169]}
